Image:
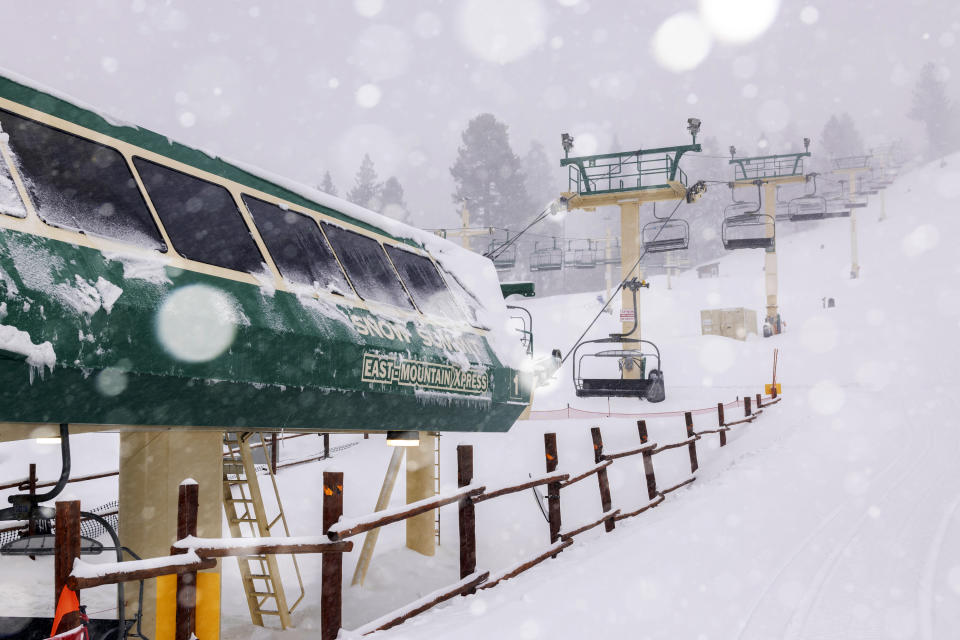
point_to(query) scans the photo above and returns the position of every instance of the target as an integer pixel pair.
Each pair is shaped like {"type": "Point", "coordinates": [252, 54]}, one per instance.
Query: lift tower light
{"type": "Point", "coordinates": [693, 126]}
{"type": "Point", "coordinates": [567, 141]}
{"type": "Point", "coordinates": [806, 144]}
{"type": "Point", "coordinates": [733, 152]}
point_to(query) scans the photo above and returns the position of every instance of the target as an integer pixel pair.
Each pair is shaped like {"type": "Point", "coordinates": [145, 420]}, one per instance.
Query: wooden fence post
{"type": "Point", "coordinates": [606, 503]}
{"type": "Point", "coordinates": [692, 447]}
{"type": "Point", "coordinates": [331, 571]}
{"type": "Point", "coordinates": [273, 452]}
{"type": "Point", "coordinates": [759, 401]}
{"type": "Point", "coordinates": [67, 543]}
{"type": "Point", "coordinates": [188, 501]}
{"type": "Point", "coordinates": [647, 461]}
{"type": "Point", "coordinates": [466, 514]}
{"type": "Point", "coordinates": [32, 485]}
{"type": "Point", "coordinates": [553, 488]}
{"type": "Point", "coordinates": [746, 407]}
{"type": "Point", "coordinates": [720, 421]}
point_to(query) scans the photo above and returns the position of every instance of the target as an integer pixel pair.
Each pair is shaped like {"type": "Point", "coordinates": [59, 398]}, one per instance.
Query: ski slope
{"type": "Point", "coordinates": [833, 516]}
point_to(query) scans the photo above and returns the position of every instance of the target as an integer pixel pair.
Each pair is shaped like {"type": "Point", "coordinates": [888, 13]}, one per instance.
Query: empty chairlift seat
{"type": "Point", "coordinates": [504, 259]}
{"type": "Point", "coordinates": [581, 255]}
{"type": "Point", "coordinates": [806, 208]}
{"type": "Point", "coordinates": [747, 231]}
{"type": "Point", "coordinates": [665, 235]}
{"type": "Point", "coordinates": [546, 257]}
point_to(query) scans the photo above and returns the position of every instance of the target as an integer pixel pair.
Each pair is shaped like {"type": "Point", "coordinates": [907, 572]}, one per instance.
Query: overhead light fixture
{"type": "Point", "coordinates": [403, 438]}
{"type": "Point", "coordinates": [567, 141]}
{"type": "Point", "coordinates": [693, 126]}
{"type": "Point", "coordinates": [54, 441]}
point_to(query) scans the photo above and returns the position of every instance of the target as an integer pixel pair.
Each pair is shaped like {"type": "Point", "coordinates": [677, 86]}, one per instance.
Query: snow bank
{"type": "Point", "coordinates": [88, 570]}
{"type": "Point", "coordinates": [141, 267]}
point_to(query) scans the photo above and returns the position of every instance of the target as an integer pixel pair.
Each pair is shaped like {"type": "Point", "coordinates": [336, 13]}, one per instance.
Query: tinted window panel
{"type": "Point", "coordinates": [368, 267]}
{"type": "Point", "coordinates": [298, 247]}
{"type": "Point", "coordinates": [10, 202]}
{"type": "Point", "coordinates": [200, 217]}
{"type": "Point", "coordinates": [80, 184]}
{"type": "Point", "coordinates": [424, 283]}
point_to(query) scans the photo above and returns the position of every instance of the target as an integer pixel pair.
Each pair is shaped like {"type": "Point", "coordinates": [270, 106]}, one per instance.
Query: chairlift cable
{"type": "Point", "coordinates": [509, 242]}
{"type": "Point", "coordinates": [620, 286]}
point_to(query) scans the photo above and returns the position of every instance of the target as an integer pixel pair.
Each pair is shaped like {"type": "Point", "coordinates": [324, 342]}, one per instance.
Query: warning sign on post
{"type": "Point", "coordinates": [626, 315]}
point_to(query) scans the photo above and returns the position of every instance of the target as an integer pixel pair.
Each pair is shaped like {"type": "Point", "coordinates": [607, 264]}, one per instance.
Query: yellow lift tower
{"type": "Point", "coordinates": [749, 229]}
{"type": "Point", "coordinates": [627, 180]}
{"type": "Point", "coordinates": [854, 169]}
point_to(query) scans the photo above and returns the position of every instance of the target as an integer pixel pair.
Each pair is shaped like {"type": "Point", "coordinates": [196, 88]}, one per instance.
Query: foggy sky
{"type": "Point", "coordinates": [276, 84]}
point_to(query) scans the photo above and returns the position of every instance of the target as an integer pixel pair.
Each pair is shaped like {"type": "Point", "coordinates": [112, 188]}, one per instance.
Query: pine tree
{"type": "Point", "coordinates": [391, 197]}
{"type": "Point", "coordinates": [366, 190]}
{"type": "Point", "coordinates": [541, 184]}
{"type": "Point", "coordinates": [327, 185]}
{"type": "Point", "coordinates": [489, 176]}
{"type": "Point", "coordinates": [840, 137]}
{"type": "Point", "coordinates": [932, 107]}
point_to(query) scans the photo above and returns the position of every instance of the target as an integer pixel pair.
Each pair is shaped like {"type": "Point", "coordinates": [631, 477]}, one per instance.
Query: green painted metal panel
{"type": "Point", "coordinates": [289, 362]}
{"type": "Point", "coordinates": [525, 289]}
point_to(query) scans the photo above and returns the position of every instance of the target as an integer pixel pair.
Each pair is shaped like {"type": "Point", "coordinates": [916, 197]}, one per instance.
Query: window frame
{"type": "Point", "coordinates": [99, 140]}
{"type": "Point", "coordinates": [413, 308]}
{"type": "Point", "coordinates": [464, 317]}
{"type": "Point", "coordinates": [311, 216]}
{"type": "Point", "coordinates": [223, 183]}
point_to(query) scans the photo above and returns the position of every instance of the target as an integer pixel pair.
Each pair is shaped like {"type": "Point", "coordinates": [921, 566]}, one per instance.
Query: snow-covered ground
{"type": "Point", "coordinates": [833, 516]}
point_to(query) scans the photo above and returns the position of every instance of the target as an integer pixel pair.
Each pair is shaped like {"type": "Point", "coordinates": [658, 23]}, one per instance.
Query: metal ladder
{"type": "Point", "coordinates": [247, 517]}
{"type": "Point", "coordinates": [436, 484]}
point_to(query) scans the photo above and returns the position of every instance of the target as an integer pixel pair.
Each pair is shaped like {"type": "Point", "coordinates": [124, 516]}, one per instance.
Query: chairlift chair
{"type": "Point", "coordinates": [744, 227]}
{"type": "Point", "coordinates": [664, 234]}
{"type": "Point", "coordinates": [614, 257]}
{"type": "Point", "coordinates": [580, 255]}
{"type": "Point", "coordinates": [631, 356]}
{"type": "Point", "coordinates": [809, 206]}
{"type": "Point", "coordinates": [866, 187]}
{"type": "Point", "coordinates": [526, 327]}
{"type": "Point", "coordinates": [546, 257]}
{"type": "Point", "coordinates": [504, 259]}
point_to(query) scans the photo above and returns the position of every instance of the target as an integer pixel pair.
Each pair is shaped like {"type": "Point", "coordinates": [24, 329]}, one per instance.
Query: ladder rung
{"type": "Point", "coordinates": [232, 499]}
{"type": "Point", "coordinates": [263, 594]}
{"type": "Point", "coordinates": [265, 612]}
{"type": "Point", "coordinates": [259, 576]}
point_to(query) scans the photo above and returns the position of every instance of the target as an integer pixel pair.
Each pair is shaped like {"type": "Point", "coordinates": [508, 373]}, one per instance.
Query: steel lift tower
{"type": "Point", "coordinates": [770, 172]}
{"type": "Point", "coordinates": [627, 180]}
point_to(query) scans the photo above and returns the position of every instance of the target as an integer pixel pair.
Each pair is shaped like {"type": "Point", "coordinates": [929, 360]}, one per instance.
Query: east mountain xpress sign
{"type": "Point", "coordinates": [425, 375]}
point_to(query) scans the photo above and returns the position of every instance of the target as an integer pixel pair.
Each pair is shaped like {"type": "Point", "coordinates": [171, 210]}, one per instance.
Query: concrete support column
{"type": "Point", "coordinates": [770, 257]}
{"type": "Point", "coordinates": [420, 529]}
{"type": "Point", "coordinates": [152, 466]}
